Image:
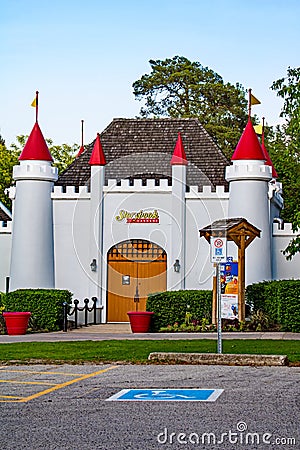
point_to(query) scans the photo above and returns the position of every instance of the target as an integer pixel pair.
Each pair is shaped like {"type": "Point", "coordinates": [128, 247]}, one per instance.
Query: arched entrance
{"type": "Point", "coordinates": [136, 268]}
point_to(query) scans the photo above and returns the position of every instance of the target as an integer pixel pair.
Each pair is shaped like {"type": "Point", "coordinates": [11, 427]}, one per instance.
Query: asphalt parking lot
{"type": "Point", "coordinates": [66, 407]}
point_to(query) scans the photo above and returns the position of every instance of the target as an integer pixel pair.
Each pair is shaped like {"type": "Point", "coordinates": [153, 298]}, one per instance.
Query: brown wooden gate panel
{"type": "Point", "coordinates": [134, 267]}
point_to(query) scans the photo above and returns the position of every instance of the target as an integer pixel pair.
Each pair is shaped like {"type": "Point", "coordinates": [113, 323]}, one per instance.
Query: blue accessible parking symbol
{"type": "Point", "coordinates": [195, 395]}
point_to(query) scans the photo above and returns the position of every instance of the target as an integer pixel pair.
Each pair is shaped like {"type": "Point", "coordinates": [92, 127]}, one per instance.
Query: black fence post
{"type": "Point", "coordinates": [76, 302]}
{"type": "Point", "coordinates": [86, 310]}
{"type": "Point", "coordinates": [69, 310]}
{"type": "Point", "coordinates": [65, 321]}
{"type": "Point", "coordinates": [7, 279]}
{"type": "Point", "coordinates": [94, 300]}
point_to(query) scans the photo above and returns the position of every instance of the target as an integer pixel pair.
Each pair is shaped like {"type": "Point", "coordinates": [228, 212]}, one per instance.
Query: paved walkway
{"type": "Point", "coordinates": [122, 331]}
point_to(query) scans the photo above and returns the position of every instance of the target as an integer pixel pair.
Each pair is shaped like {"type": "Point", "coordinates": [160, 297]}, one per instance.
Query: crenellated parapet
{"type": "Point", "coordinates": [135, 185]}
{"type": "Point", "coordinates": [35, 170]}
{"type": "Point", "coordinates": [207, 192]}
{"type": "Point", "coordinates": [286, 229]}
{"type": "Point", "coordinates": [70, 192]}
{"type": "Point", "coordinates": [138, 185]}
{"type": "Point", "coordinates": [248, 170]}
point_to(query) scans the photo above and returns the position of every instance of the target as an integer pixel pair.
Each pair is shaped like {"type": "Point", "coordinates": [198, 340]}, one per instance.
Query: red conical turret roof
{"type": "Point", "coordinates": [97, 156]}
{"type": "Point", "coordinates": [268, 160]}
{"type": "Point", "coordinates": [248, 146]}
{"type": "Point", "coordinates": [179, 157]}
{"type": "Point", "coordinates": [81, 150]}
{"type": "Point", "coordinates": [36, 147]}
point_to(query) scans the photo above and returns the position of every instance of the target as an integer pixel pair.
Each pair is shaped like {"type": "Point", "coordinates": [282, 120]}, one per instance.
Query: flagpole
{"type": "Point", "coordinates": [263, 131]}
{"type": "Point", "coordinates": [249, 104]}
{"type": "Point", "coordinates": [82, 132]}
{"type": "Point", "coordinates": [36, 105]}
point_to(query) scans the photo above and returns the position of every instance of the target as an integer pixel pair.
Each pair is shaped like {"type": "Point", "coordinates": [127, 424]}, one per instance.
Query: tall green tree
{"type": "Point", "coordinates": [285, 151]}
{"type": "Point", "coordinates": [178, 87]}
{"type": "Point", "coordinates": [8, 158]}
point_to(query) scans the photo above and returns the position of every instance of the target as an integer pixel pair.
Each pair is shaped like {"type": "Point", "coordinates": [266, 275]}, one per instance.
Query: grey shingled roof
{"type": "Point", "coordinates": [142, 148]}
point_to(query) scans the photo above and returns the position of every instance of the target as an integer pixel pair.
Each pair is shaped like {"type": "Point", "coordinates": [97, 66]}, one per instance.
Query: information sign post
{"type": "Point", "coordinates": [218, 252]}
{"type": "Point", "coordinates": [219, 308]}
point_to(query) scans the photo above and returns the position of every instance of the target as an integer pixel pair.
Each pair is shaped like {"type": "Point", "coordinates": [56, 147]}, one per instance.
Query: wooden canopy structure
{"type": "Point", "coordinates": [240, 231]}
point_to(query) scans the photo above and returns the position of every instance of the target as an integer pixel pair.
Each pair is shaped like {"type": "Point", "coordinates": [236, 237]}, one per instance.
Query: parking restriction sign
{"type": "Point", "coordinates": [218, 249]}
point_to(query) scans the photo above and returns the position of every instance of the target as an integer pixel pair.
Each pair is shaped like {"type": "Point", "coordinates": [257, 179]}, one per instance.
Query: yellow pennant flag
{"type": "Point", "coordinates": [254, 100]}
{"type": "Point", "coordinates": [258, 129]}
{"type": "Point", "coordinates": [33, 103]}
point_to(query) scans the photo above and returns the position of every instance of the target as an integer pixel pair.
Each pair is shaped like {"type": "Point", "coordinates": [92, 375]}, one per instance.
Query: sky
{"type": "Point", "coordinates": [83, 56]}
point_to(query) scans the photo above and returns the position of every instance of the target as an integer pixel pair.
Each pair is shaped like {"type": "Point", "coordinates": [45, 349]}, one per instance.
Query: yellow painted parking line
{"type": "Point", "coordinates": [28, 382]}
{"type": "Point", "coordinates": [60, 386]}
{"type": "Point", "coordinates": [69, 374]}
{"type": "Point", "coordinates": [9, 396]}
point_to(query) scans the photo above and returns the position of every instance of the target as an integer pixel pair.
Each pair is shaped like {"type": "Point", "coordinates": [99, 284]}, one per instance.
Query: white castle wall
{"type": "Point", "coordinates": [282, 268]}
{"type": "Point", "coordinates": [202, 208]}
{"type": "Point", "coordinates": [71, 212]}
{"type": "Point", "coordinates": [134, 199]}
{"type": "Point", "coordinates": [72, 230]}
{"type": "Point", "coordinates": [5, 250]}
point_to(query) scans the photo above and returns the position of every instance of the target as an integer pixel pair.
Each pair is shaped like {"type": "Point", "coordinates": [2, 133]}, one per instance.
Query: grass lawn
{"type": "Point", "coordinates": [136, 351]}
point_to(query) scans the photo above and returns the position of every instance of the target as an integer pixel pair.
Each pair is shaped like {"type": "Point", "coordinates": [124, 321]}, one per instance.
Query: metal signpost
{"type": "Point", "coordinates": [218, 252]}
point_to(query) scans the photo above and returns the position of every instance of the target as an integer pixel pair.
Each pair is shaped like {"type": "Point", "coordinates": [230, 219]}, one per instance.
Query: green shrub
{"type": "Point", "coordinates": [280, 300]}
{"type": "Point", "coordinates": [171, 307]}
{"type": "Point", "coordinates": [45, 305]}
{"type": "Point", "coordinates": [2, 299]}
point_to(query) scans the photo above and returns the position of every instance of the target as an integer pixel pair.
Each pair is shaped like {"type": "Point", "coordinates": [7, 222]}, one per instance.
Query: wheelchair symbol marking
{"type": "Point", "coordinates": [208, 395]}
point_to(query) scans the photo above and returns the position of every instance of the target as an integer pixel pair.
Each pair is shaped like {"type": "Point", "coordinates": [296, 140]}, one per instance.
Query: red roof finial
{"type": "Point", "coordinates": [179, 156]}
{"type": "Point", "coordinates": [81, 150]}
{"type": "Point", "coordinates": [248, 146]}
{"type": "Point", "coordinates": [36, 147]}
{"type": "Point", "coordinates": [97, 156]}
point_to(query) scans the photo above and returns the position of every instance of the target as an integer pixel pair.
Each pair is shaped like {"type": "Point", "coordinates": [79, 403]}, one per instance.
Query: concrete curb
{"type": "Point", "coordinates": [221, 359]}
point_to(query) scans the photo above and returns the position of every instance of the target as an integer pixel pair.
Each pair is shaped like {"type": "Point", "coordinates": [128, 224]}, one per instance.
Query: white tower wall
{"type": "Point", "coordinates": [248, 198]}
{"type": "Point", "coordinates": [178, 224]}
{"type": "Point", "coordinates": [96, 232]}
{"type": "Point", "coordinates": [32, 257]}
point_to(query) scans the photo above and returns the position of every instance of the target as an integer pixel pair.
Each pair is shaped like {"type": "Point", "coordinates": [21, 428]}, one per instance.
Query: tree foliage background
{"type": "Point", "coordinates": [178, 87]}
{"type": "Point", "coordinates": [284, 149]}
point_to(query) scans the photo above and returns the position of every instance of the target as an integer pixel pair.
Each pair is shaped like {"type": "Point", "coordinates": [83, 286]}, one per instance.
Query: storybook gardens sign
{"type": "Point", "coordinates": [138, 216]}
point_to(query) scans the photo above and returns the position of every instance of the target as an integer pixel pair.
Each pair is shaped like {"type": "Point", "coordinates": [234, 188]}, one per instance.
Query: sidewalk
{"type": "Point", "coordinates": [122, 331]}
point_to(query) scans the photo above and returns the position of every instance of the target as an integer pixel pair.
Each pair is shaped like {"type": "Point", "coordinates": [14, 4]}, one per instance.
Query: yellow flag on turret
{"type": "Point", "coordinates": [258, 129]}
{"type": "Point", "coordinates": [254, 100]}
{"type": "Point", "coordinates": [35, 104]}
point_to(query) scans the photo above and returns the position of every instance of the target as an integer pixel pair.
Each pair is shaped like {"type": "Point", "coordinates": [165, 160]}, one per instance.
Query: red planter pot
{"type": "Point", "coordinates": [140, 321]}
{"type": "Point", "coordinates": [16, 322]}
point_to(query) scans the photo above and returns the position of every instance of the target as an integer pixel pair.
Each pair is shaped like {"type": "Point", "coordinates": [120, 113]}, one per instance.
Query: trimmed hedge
{"type": "Point", "coordinates": [45, 305]}
{"type": "Point", "coordinates": [171, 306]}
{"type": "Point", "coordinates": [280, 300]}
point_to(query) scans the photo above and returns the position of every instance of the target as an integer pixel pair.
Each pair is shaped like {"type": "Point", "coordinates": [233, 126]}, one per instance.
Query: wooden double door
{"type": "Point", "coordinates": [136, 268]}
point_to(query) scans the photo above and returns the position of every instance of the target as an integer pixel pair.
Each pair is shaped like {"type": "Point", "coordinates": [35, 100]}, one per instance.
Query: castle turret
{"type": "Point", "coordinates": [32, 257]}
{"type": "Point", "coordinates": [248, 197]}
{"type": "Point", "coordinates": [97, 163]}
{"type": "Point", "coordinates": [178, 163]}
{"type": "Point", "coordinates": [276, 203]}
